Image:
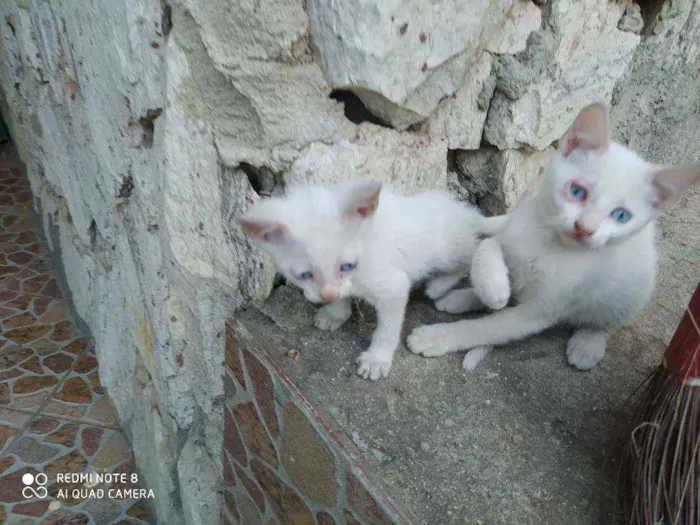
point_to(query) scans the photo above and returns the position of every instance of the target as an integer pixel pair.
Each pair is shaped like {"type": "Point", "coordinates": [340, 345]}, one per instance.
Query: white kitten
{"type": "Point", "coordinates": [580, 252]}
{"type": "Point", "coordinates": [365, 240]}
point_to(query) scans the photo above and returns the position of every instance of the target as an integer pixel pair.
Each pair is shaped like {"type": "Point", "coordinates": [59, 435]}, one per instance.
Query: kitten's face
{"type": "Point", "coordinates": [601, 197]}
{"type": "Point", "coordinates": [315, 235]}
{"type": "Point", "coordinates": [603, 192]}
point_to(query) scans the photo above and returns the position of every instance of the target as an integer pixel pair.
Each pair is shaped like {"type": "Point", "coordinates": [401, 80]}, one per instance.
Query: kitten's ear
{"type": "Point", "coordinates": [361, 200]}
{"type": "Point", "coordinates": [669, 183]}
{"type": "Point", "coordinates": [589, 131]}
{"type": "Point", "coordinates": [262, 222]}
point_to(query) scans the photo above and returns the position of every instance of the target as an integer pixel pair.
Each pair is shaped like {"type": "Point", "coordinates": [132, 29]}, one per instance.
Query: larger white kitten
{"type": "Point", "coordinates": [367, 241]}
{"type": "Point", "coordinates": [579, 252]}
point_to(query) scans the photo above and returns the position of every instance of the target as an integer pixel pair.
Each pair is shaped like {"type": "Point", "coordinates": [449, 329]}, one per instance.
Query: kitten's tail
{"type": "Point", "coordinates": [491, 225]}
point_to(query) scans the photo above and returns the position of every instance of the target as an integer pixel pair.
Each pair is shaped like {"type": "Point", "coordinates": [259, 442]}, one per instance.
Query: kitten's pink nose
{"type": "Point", "coordinates": [329, 293]}
{"type": "Point", "coordinates": [582, 230]}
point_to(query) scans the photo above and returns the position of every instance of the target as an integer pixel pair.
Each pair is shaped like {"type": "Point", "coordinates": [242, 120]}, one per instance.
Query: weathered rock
{"type": "Point", "coordinates": [402, 58]}
{"type": "Point", "coordinates": [498, 180]}
{"type": "Point", "coordinates": [588, 55]}
{"type": "Point", "coordinates": [411, 162]}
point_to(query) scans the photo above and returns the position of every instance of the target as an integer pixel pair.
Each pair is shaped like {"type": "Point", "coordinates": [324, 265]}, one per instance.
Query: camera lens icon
{"type": "Point", "coordinates": [29, 480]}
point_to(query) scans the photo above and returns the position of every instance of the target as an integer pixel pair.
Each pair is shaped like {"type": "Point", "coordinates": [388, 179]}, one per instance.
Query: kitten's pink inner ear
{"type": "Point", "coordinates": [272, 232]}
{"type": "Point", "coordinates": [669, 183]}
{"type": "Point", "coordinates": [589, 130]}
{"type": "Point", "coordinates": [366, 206]}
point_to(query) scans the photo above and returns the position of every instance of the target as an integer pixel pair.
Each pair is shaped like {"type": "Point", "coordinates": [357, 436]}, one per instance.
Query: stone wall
{"type": "Point", "coordinates": [148, 125]}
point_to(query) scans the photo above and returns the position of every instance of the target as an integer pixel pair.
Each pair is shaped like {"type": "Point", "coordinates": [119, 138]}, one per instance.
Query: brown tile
{"type": "Point", "coordinates": [232, 440]}
{"type": "Point", "coordinates": [323, 518]}
{"type": "Point", "coordinates": [6, 463]}
{"type": "Point", "coordinates": [36, 508]}
{"type": "Point", "coordinates": [5, 397]}
{"type": "Point", "coordinates": [32, 365]}
{"type": "Point", "coordinates": [27, 385]}
{"type": "Point", "coordinates": [25, 238]}
{"type": "Point", "coordinates": [41, 304]}
{"type": "Point", "coordinates": [44, 347]}
{"type": "Point", "coordinates": [64, 435]}
{"type": "Point", "coordinates": [51, 289]}
{"type": "Point", "coordinates": [253, 432]}
{"type": "Point", "coordinates": [6, 433]}
{"type": "Point", "coordinates": [251, 487]}
{"type": "Point", "coordinates": [35, 284]}
{"type": "Point", "coordinates": [19, 303]}
{"type": "Point", "coordinates": [26, 334]}
{"type": "Point", "coordinates": [63, 331]}
{"type": "Point", "coordinates": [11, 485]}
{"type": "Point", "coordinates": [360, 498]}
{"type": "Point", "coordinates": [43, 425]}
{"type": "Point", "coordinates": [75, 390]}
{"type": "Point", "coordinates": [307, 459]}
{"type": "Point", "coordinates": [86, 364]}
{"type": "Point", "coordinates": [231, 505]}
{"type": "Point", "coordinates": [263, 387]}
{"type": "Point", "coordinates": [233, 360]}
{"type": "Point", "coordinates": [351, 519]}
{"type": "Point", "coordinates": [65, 517]}
{"type": "Point", "coordinates": [102, 411]}
{"type": "Point", "coordinates": [58, 362]}
{"type": "Point", "coordinates": [286, 503]}
{"type": "Point", "coordinates": [76, 347]}
{"type": "Point", "coordinates": [60, 409]}
{"type": "Point", "coordinates": [58, 310]}
{"type": "Point", "coordinates": [31, 450]}
{"type": "Point", "coordinates": [115, 450]}
{"type": "Point", "coordinates": [20, 257]}
{"type": "Point", "coordinates": [19, 320]}
{"type": "Point", "coordinates": [228, 472]}
{"type": "Point", "coordinates": [11, 357]}
{"type": "Point", "coordinates": [248, 510]}
{"type": "Point", "coordinates": [90, 438]}
{"type": "Point", "coordinates": [138, 511]}
{"type": "Point", "coordinates": [74, 461]}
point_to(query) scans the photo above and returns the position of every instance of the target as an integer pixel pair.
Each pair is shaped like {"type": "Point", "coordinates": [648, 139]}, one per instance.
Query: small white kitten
{"type": "Point", "coordinates": [365, 240]}
{"type": "Point", "coordinates": [581, 252]}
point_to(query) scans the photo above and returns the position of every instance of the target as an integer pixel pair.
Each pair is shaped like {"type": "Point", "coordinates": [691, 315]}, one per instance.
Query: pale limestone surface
{"type": "Point", "coordinates": [147, 126]}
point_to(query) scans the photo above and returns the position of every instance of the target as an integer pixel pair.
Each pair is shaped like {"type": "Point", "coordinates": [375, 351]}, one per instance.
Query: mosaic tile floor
{"type": "Point", "coordinates": [54, 416]}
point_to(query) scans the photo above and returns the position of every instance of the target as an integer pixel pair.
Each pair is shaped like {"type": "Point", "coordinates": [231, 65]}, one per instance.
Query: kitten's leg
{"type": "Point", "coordinates": [440, 285]}
{"type": "Point", "coordinates": [586, 347]}
{"type": "Point", "coordinates": [460, 302]}
{"type": "Point", "coordinates": [375, 362]}
{"type": "Point", "coordinates": [489, 274]}
{"type": "Point", "coordinates": [501, 327]}
{"type": "Point", "coordinates": [474, 356]}
{"type": "Point", "coordinates": [334, 315]}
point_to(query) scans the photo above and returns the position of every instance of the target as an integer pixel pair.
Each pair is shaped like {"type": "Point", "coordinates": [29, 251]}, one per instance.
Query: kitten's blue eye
{"type": "Point", "coordinates": [347, 267]}
{"type": "Point", "coordinates": [621, 215]}
{"type": "Point", "coordinates": [578, 192]}
{"type": "Point", "coordinates": [305, 276]}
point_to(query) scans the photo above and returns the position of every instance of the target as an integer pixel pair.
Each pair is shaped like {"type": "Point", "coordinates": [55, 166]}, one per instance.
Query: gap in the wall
{"type": "Point", "coordinates": [355, 109]}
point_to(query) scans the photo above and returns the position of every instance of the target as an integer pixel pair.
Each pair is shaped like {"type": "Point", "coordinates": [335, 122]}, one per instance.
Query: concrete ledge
{"type": "Point", "coordinates": [524, 439]}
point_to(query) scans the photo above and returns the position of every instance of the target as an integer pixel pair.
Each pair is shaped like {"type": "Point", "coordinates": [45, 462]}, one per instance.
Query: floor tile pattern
{"type": "Point", "coordinates": [54, 416]}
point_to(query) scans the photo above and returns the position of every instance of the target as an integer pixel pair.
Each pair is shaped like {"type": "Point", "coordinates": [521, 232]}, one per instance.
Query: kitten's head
{"type": "Point", "coordinates": [598, 192]}
{"type": "Point", "coordinates": [315, 235]}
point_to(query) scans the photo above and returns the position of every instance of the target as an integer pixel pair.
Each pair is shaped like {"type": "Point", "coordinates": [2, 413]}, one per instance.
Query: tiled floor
{"type": "Point", "coordinates": [54, 415]}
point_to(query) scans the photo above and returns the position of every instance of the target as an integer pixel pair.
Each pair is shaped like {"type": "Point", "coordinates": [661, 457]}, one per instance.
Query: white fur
{"type": "Point", "coordinates": [407, 239]}
{"type": "Point", "coordinates": [594, 283]}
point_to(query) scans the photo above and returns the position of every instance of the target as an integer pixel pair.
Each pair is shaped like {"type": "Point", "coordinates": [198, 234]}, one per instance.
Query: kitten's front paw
{"type": "Point", "coordinates": [331, 318]}
{"type": "Point", "coordinates": [585, 349]}
{"type": "Point", "coordinates": [425, 340]}
{"type": "Point", "coordinates": [373, 365]}
{"type": "Point", "coordinates": [474, 357]}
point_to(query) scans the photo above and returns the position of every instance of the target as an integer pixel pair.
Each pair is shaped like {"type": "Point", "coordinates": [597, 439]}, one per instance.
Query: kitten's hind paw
{"type": "Point", "coordinates": [373, 365]}
{"type": "Point", "coordinates": [425, 340]}
{"type": "Point", "coordinates": [332, 316]}
{"type": "Point", "coordinates": [459, 302]}
{"type": "Point", "coordinates": [474, 356]}
{"type": "Point", "coordinates": [586, 348]}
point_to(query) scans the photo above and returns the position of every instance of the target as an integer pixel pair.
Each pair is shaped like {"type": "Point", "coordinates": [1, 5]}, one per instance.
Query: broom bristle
{"type": "Point", "coordinates": [661, 465]}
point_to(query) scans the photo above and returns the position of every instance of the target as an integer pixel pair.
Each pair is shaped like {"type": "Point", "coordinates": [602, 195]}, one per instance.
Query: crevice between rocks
{"type": "Point", "coordinates": [355, 110]}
